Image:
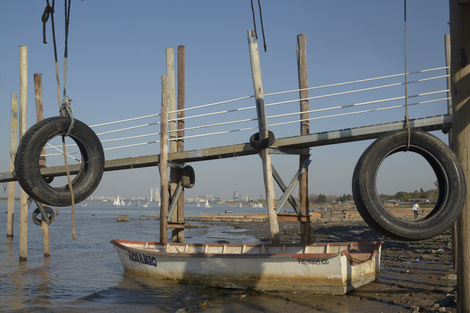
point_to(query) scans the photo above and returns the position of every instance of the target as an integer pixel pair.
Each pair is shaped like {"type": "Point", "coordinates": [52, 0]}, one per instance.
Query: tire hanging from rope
{"type": "Point", "coordinates": [26, 162]}
{"type": "Point", "coordinates": [449, 173]}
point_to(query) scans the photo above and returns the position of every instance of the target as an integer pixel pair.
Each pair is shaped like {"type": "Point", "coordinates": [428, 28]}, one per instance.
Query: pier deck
{"type": "Point", "coordinates": [288, 145]}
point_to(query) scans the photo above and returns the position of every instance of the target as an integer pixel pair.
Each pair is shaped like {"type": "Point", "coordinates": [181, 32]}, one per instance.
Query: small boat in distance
{"type": "Point", "coordinates": [118, 201]}
{"type": "Point", "coordinates": [207, 204]}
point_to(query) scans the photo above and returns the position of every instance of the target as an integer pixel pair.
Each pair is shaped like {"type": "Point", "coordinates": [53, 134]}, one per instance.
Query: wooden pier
{"type": "Point", "coordinates": [288, 145]}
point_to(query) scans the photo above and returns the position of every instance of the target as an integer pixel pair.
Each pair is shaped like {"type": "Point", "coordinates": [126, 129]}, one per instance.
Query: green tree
{"type": "Point", "coordinates": [321, 198]}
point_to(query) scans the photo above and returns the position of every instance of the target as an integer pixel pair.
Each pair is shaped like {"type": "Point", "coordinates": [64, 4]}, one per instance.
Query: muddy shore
{"type": "Point", "coordinates": [414, 276]}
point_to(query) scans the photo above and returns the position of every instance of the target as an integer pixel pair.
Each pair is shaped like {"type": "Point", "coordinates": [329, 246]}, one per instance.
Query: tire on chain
{"type": "Point", "coordinates": [257, 143]}
{"type": "Point", "coordinates": [188, 177]}
{"type": "Point", "coordinates": [49, 212]}
{"type": "Point", "coordinates": [450, 177]}
{"type": "Point", "coordinates": [27, 166]}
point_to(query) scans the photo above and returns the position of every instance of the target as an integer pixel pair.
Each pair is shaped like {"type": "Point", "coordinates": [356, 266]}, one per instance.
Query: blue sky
{"type": "Point", "coordinates": [117, 56]}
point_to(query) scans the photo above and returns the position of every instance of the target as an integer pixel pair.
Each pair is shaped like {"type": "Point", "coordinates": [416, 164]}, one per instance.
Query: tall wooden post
{"type": "Point", "coordinates": [460, 74]}
{"type": "Point", "coordinates": [42, 158]}
{"type": "Point", "coordinates": [449, 111]}
{"type": "Point", "coordinates": [13, 148]}
{"type": "Point", "coordinates": [305, 227]}
{"type": "Point", "coordinates": [263, 134]}
{"type": "Point", "coordinates": [179, 233]}
{"type": "Point", "coordinates": [163, 165]}
{"type": "Point", "coordinates": [172, 126]}
{"type": "Point", "coordinates": [22, 125]}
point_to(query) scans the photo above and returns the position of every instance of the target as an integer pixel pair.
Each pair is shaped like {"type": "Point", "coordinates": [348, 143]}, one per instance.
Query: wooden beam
{"type": "Point", "coordinates": [460, 82]}
{"type": "Point", "coordinates": [263, 134]}
{"type": "Point", "coordinates": [431, 123]}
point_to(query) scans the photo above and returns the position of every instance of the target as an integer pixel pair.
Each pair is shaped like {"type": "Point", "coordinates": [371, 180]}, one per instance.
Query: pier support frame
{"type": "Point", "coordinates": [459, 12]}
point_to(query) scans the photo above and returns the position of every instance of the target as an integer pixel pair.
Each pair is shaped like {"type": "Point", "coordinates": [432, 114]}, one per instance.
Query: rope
{"type": "Point", "coordinates": [407, 117]}
{"type": "Point", "coordinates": [64, 106]}
{"type": "Point", "coordinates": [261, 20]}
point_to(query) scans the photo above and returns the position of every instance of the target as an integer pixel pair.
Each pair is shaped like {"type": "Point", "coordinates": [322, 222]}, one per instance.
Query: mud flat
{"type": "Point", "coordinates": [414, 276]}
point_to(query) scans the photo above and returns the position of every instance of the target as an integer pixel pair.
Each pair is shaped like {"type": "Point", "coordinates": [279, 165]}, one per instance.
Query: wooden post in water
{"type": "Point", "coordinates": [13, 148]}
{"type": "Point", "coordinates": [42, 158]}
{"type": "Point", "coordinates": [460, 77]}
{"type": "Point", "coordinates": [163, 165]}
{"type": "Point", "coordinates": [305, 227]}
{"type": "Point", "coordinates": [263, 134]}
{"type": "Point", "coordinates": [172, 126]}
{"type": "Point", "coordinates": [22, 125]}
{"type": "Point", "coordinates": [179, 233]}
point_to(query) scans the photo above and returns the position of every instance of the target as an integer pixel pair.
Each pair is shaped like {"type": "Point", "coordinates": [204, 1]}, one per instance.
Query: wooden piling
{"type": "Point", "coordinates": [306, 234]}
{"type": "Point", "coordinates": [179, 232]}
{"type": "Point", "coordinates": [13, 148]}
{"type": "Point", "coordinates": [460, 79]}
{"type": "Point", "coordinates": [172, 126]}
{"type": "Point", "coordinates": [449, 136]}
{"type": "Point", "coordinates": [42, 158]}
{"type": "Point", "coordinates": [263, 134]}
{"type": "Point", "coordinates": [22, 130]}
{"type": "Point", "coordinates": [163, 165]}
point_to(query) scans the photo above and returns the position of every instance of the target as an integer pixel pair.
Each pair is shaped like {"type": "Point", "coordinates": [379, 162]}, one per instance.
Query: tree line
{"type": "Point", "coordinates": [432, 195]}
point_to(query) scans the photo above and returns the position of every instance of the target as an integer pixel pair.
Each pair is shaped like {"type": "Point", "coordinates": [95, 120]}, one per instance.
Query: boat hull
{"type": "Point", "coordinates": [333, 268]}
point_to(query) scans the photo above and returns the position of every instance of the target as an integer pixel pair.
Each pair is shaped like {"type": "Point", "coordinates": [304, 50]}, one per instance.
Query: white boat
{"type": "Point", "coordinates": [198, 205]}
{"type": "Point", "coordinates": [327, 268]}
{"type": "Point", "coordinates": [207, 204]}
{"type": "Point", "coordinates": [118, 201]}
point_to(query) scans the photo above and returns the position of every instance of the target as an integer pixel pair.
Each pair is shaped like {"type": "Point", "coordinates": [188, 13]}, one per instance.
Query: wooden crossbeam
{"type": "Point", "coordinates": [282, 145]}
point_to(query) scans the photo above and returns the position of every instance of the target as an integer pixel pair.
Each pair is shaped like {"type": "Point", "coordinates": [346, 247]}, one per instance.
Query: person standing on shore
{"type": "Point", "coordinates": [415, 209]}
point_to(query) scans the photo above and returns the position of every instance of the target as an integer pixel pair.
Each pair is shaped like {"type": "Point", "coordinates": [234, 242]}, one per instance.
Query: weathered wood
{"type": "Point", "coordinates": [42, 158]}
{"type": "Point", "coordinates": [172, 124]}
{"type": "Point", "coordinates": [460, 78]}
{"type": "Point", "coordinates": [163, 166]}
{"type": "Point", "coordinates": [22, 123]}
{"type": "Point", "coordinates": [305, 227]}
{"type": "Point", "coordinates": [449, 136]}
{"type": "Point", "coordinates": [263, 134]}
{"type": "Point", "coordinates": [13, 148]}
{"type": "Point", "coordinates": [286, 144]}
{"type": "Point", "coordinates": [179, 232]}
{"type": "Point", "coordinates": [39, 109]}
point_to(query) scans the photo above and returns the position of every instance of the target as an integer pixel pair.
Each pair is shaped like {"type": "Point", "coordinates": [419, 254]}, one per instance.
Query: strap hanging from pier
{"type": "Point", "coordinates": [65, 108]}
{"type": "Point", "coordinates": [407, 117]}
{"type": "Point", "coordinates": [261, 20]}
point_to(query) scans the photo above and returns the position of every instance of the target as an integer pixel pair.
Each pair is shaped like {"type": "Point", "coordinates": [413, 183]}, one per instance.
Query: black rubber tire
{"type": "Point", "coordinates": [450, 177]}
{"type": "Point", "coordinates": [49, 212]}
{"type": "Point", "coordinates": [188, 177]}
{"type": "Point", "coordinates": [256, 143]}
{"type": "Point", "coordinates": [27, 167]}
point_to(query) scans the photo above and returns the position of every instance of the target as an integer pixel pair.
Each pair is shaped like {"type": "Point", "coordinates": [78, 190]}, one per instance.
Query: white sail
{"type": "Point", "coordinates": [207, 204]}
{"type": "Point", "coordinates": [117, 201]}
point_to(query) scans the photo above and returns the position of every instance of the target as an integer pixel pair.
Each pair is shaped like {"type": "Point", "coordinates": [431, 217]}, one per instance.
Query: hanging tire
{"type": "Point", "coordinates": [27, 166]}
{"type": "Point", "coordinates": [257, 143]}
{"type": "Point", "coordinates": [49, 213]}
{"type": "Point", "coordinates": [188, 177]}
{"type": "Point", "coordinates": [450, 177]}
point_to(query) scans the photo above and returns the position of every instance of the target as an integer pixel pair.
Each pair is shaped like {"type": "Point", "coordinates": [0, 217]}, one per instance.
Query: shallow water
{"type": "Point", "coordinates": [86, 274]}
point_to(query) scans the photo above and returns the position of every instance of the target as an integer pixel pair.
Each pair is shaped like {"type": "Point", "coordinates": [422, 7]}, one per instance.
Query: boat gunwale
{"type": "Point", "coordinates": [353, 257]}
